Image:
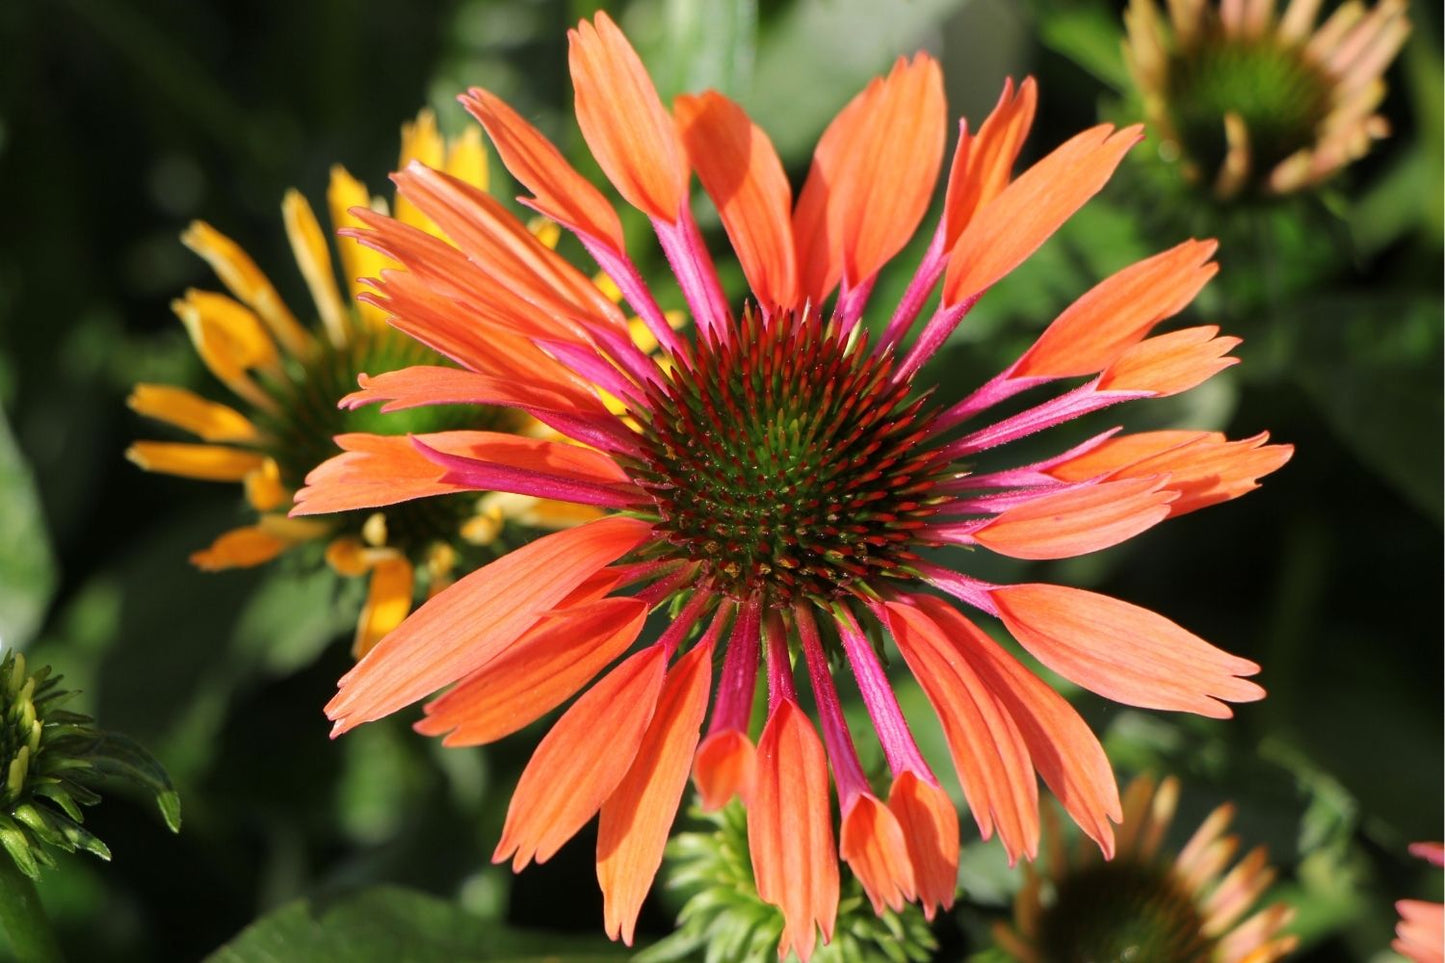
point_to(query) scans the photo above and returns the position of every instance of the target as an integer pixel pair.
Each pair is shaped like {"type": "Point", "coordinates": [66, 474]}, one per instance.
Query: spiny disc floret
{"type": "Point", "coordinates": [788, 463]}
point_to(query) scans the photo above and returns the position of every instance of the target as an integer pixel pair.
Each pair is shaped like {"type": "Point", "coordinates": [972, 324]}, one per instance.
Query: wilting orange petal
{"type": "Point", "coordinates": [637, 816]}
{"type": "Point", "coordinates": [1118, 312]}
{"type": "Point", "coordinates": [558, 191]}
{"type": "Point", "coordinates": [464, 627]}
{"type": "Point", "coordinates": [624, 122]}
{"type": "Point", "coordinates": [987, 746]}
{"type": "Point", "coordinates": [388, 600]}
{"type": "Point", "coordinates": [873, 844]}
{"type": "Point", "coordinates": [1203, 467]}
{"type": "Point", "coordinates": [741, 172]}
{"type": "Point", "coordinates": [1124, 652]}
{"type": "Point", "coordinates": [1080, 520]}
{"type": "Point", "coordinates": [872, 177]}
{"type": "Point", "coordinates": [240, 548]}
{"type": "Point", "coordinates": [724, 767]}
{"type": "Point", "coordinates": [983, 162]}
{"type": "Point", "coordinates": [537, 673]}
{"type": "Point", "coordinates": [582, 760]}
{"type": "Point", "coordinates": [790, 830]}
{"type": "Point", "coordinates": [372, 471]}
{"type": "Point", "coordinates": [930, 827]}
{"type": "Point", "coordinates": [1028, 211]}
{"type": "Point", "coordinates": [1060, 744]}
{"type": "Point", "coordinates": [1170, 363]}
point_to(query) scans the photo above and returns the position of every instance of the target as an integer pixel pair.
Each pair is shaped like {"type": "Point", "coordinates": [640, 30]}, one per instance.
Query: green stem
{"type": "Point", "coordinates": [23, 918]}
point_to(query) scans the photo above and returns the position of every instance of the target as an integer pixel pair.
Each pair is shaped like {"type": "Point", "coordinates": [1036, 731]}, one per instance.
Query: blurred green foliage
{"type": "Point", "coordinates": [120, 120]}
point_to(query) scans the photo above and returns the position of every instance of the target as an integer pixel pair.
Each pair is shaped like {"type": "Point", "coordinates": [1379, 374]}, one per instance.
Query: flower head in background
{"type": "Point", "coordinates": [1147, 903]}
{"type": "Point", "coordinates": [1420, 934]}
{"type": "Point", "coordinates": [287, 377]}
{"type": "Point", "coordinates": [51, 760]}
{"type": "Point", "coordinates": [778, 482]}
{"type": "Point", "coordinates": [1249, 101]}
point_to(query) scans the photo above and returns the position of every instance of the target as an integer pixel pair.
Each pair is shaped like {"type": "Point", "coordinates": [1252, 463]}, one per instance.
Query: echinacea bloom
{"type": "Point", "coordinates": [776, 484]}
{"type": "Point", "coordinates": [1420, 934]}
{"type": "Point", "coordinates": [287, 378]}
{"type": "Point", "coordinates": [1147, 903]}
{"type": "Point", "coordinates": [1253, 101]}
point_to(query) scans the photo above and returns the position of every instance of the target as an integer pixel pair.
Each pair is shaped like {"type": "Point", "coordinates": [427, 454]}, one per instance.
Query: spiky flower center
{"type": "Point", "coordinates": [1280, 96]}
{"type": "Point", "coordinates": [1123, 911]}
{"type": "Point", "coordinates": [789, 463]}
{"type": "Point", "coordinates": [307, 420]}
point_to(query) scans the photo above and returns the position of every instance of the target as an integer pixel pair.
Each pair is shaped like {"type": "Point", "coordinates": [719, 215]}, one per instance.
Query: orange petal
{"type": "Point", "coordinates": [1170, 363]}
{"type": "Point", "coordinates": [388, 600]}
{"type": "Point", "coordinates": [558, 191]}
{"type": "Point", "coordinates": [1124, 652]}
{"type": "Point", "coordinates": [537, 673]}
{"type": "Point", "coordinates": [1060, 744]}
{"type": "Point", "coordinates": [1202, 467]}
{"type": "Point", "coordinates": [983, 163]}
{"type": "Point", "coordinates": [986, 744]}
{"type": "Point", "coordinates": [873, 843]}
{"type": "Point", "coordinates": [623, 121]}
{"type": "Point", "coordinates": [872, 177]}
{"type": "Point", "coordinates": [741, 172]}
{"type": "Point", "coordinates": [1028, 211]}
{"type": "Point", "coordinates": [637, 816]}
{"type": "Point", "coordinates": [188, 460]}
{"type": "Point", "coordinates": [372, 471]}
{"type": "Point", "coordinates": [790, 830]}
{"type": "Point", "coordinates": [464, 627]}
{"type": "Point", "coordinates": [240, 548]}
{"type": "Point", "coordinates": [582, 760]}
{"type": "Point", "coordinates": [1118, 312]}
{"type": "Point", "coordinates": [724, 767]}
{"type": "Point", "coordinates": [930, 827]}
{"type": "Point", "coordinates": [422, 385]}
{"type": "Point", "coordinates": [1079, 520]}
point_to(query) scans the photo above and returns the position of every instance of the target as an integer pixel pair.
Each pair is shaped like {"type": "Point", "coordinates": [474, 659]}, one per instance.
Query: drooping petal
{"type": "Point", "coordinates": [243, 547]}
{"type": "Point", "coordinates": [188, 411]}
{"type": "Point", "coordinates": [1124, 652]}
{"type": "Point", "coordinates": [872, 842]}
{"type": "Point", "coordinates": [247, 282]}
{"type": "Point", "coordinates": [1079, 520]}
{"type": "Point", "coordinates": [464, 627]}
{"type": "Point", "coordinates": [987, 747]}
{"type": "Point", "coordinates": [372, 471]}
{"type": "Point", "coordinates": [1110, 455]}
{"type": "Point", "coordinates": [1172, 363]}
{"type": "Point", "coordinates": [623, 121]}
{"type": "Point", "coordinates": [741, 172]}
{"type": "Point", "coordinates": [1028, 211]}
{"type": "Point", "coordinates": [388, 600]}
{"type": "Point", "coordinates": [790, 830]}
{"type": "Point", "coordinates": [930, 829]}
{"type": "Point", "coordinates": [637, 816]}
{"type": "Point", "coordinates": [1118, 312]}
{"type": "Point", "coordinates": [537, 673]}
{"type": "Point", "coordinates": [203, 462]}
{"type": "Point", "coordinates": [558, 191]}
{"type": "Point", "coordinates": [313, 256]}
{"type": "Point", "coordinates": [582, 760]}
{"type": "Point", "coordinates": [871, 179]}
{"type": "Point", "coordinates": [724, 767]}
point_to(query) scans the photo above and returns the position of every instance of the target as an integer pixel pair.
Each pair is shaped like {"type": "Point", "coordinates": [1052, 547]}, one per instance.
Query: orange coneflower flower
{"type": "Point", "coordinates": [1420, 934]}
{"type": "Point", "coordinates": [1148, 904]}
{"type": "Point", "coordinates": [777, 482]}
{"type": "Point", "coordinates": [287, 378]}
{"type": "Point", "coordinates": [1249, 101]}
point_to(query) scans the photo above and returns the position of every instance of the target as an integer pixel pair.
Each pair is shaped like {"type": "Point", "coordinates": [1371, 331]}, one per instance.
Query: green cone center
{"type": "Point", "coordinates": [1123, 912]}
{"type": "Point", "coordinates": [788, 463]}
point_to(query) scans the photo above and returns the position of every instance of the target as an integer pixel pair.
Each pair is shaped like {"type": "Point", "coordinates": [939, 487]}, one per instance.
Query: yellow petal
{"type": "Point", "coordinates": [467, 158]}
{"type": "Point", "coordinates": [357, 260]}
{"type": "Point", "coordinates": [239, 273]}
{"type": "Point", "coordinates": [388, 600]}
{"type": "Point", "coordinates": [239, 548]}
{"type": "Point", "coordinates": [264, 490]}
{"type": "Point", "coordinates": [548, 232]}
{"type": "Point", "coordinates": [294, 530]}
{"type": "Point", "coordinates": [536, 512]}
{"type": "Point", "coordinates": [188, 411]}
{"type": "Point", "coordinates": [205, 462]}
{"type": "Point", "coordinates": [313, 257]}
{"type": "Point", "coordinates": [420, 141]}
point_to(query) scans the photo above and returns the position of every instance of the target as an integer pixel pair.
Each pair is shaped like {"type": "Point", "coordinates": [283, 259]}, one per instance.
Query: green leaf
{"type": "Point", "coordinates": [705, 44]}
{"type": "Point", "coordinates": [1089, 34]}
{"type": "Point", "coordinates": [389, 924]}
{"type": "Point", "coordinates": [27, 566]}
